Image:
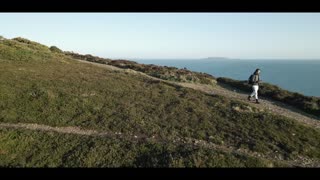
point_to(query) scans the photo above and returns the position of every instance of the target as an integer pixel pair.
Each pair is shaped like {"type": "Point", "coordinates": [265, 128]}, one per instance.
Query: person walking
{"type": "Point", "coordinates": [254, 80]}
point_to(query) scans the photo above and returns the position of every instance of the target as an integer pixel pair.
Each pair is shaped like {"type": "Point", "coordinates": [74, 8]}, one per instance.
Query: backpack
{"type": "Point", "coordinates": [251, 79]}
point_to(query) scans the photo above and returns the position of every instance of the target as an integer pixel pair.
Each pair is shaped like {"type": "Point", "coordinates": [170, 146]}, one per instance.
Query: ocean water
{"type": "Point", "coordinates": [301, 76]}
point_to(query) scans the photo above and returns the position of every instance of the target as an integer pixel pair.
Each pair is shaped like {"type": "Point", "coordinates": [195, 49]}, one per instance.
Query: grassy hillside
{"type": "Point", "coordinates": [24, 50]}
{"type": "Point", "coordinates": [45, 87]}
{"type": "Point", "coordinates": [307, 104]}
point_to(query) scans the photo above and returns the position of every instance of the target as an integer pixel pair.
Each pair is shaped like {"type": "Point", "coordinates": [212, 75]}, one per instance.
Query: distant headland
{"type": "Point", "coordinates": [216, 58]}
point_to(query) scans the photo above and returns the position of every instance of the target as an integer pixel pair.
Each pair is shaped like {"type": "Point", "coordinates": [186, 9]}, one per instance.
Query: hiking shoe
{"type": "Point", "coordinates": [249, 98]}
{"type": "Point", "coordinates": [257, 101]}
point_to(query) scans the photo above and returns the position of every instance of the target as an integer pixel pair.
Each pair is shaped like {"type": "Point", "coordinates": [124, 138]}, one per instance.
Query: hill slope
{"type": "Point", "coordinates": [126, 118]}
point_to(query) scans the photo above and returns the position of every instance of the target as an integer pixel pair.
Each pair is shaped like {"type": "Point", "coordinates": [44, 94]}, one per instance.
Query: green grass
{"type": "Point", "coordinates": [37, 149]}
{"type": "Point", "coordinates": [23, 50]}
{"type": "Point", "coordinates": [59, 91]}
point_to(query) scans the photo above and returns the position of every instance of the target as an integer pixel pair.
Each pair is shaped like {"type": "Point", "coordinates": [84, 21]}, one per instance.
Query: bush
{"type": "Point", "coordinates": [88, 57]}
{"type": "Point", "coordinates": [24, 40]}
{"type": "Point", "coordinates": [163, 72]}
{"type": "Point", "coordinates": [55, 49]}
{"type": "Point", "coordinates": [26, 43]}
{"type": "Point", "coordinates": [21, 49]}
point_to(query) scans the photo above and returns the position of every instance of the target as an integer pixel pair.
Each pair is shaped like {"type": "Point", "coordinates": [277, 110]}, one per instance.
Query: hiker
{"type": "Point", "coordinates": [254, 80]}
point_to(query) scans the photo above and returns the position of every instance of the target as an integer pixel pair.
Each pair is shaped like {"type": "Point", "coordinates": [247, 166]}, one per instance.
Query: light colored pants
{"type": "Point", "coordinates": [254, 93]}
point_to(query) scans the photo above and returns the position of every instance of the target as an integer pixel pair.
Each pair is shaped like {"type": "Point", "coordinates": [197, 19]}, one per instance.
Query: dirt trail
{"type": "Point", "coordinates": [299, 162]}
{"type": "Point", "coordinates": [266, 104]}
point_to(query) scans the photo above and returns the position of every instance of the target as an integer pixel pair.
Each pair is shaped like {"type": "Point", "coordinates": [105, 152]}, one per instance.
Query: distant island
{"type": "Point", "coordinates": [216, 58]}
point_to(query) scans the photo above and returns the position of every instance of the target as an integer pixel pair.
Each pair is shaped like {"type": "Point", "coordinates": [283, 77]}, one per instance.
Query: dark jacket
{"type": "Point", "coordinates": [256, 79]}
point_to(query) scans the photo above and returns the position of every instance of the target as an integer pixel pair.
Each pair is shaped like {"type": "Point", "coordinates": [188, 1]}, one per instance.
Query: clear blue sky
{"type": "Point", "coordinates": [172, 35]}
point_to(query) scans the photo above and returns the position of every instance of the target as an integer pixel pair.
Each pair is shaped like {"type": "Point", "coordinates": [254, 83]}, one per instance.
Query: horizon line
{"type": "Point", "coordinates": [222, 58]}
